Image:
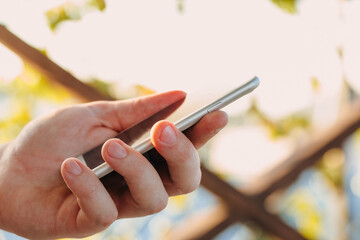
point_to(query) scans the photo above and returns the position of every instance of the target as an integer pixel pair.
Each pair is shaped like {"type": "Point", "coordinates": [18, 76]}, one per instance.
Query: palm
{"type": "Point", "coordinates": [75, 132]}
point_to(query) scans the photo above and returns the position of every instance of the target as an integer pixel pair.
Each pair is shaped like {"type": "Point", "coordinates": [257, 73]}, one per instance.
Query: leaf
{"type": "Point", "coordinates": [301, 206]}
{"type": "Point", "coordinates": [143, 90]}
{"type": "Point", "coordinates": [280, 127]}
{"type": "Point", "coordinates": [180, 202]}
{"type": "Point", "coordinates": [357, 136]}
{"type": "Point", "coordinates": [64, 12]}
{"type": "Point", "coordinates": [332, 167]}
{"type": "Point", "coordinates": [98, 4]}
{"type": "Point", "coordinates": [73, 11]}
{"type": "Point", "coordinates": [340, 52]}
{"type": "Point", "coordinates": [36, 84]}
{"type": "Point", "coordinates": [288, 6]}
{"type": "Point", "coordinates": [11, 126]}
{"type": "Point", "coordinates": [104, 87]}
{"type": "Point", "coordinates": [315, 84]}
{"type": "Point", "coordinates": [180, 6]}
{"type": "Point", "coordinates": [31, 85]}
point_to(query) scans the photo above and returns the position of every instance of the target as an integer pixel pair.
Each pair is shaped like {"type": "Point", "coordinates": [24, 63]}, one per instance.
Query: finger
{"type": "Point", "coordinates": [120, 115]}
{"type": "Point", "coordinates": [146, 194]}
{"type": "Point", "coordinates": [207, 128]}
{"type": "Point", "coordinates": [97, 208]}
{"type": "Point", "coordinates": [181, 157]}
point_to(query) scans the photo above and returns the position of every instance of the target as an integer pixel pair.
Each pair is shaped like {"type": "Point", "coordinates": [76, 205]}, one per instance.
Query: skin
{"type": "Point", "coordinates": [46, 193]}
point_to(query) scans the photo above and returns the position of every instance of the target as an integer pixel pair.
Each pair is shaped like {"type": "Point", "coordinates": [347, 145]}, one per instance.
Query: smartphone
{"type": "Point", "coordinates": [94, 160]}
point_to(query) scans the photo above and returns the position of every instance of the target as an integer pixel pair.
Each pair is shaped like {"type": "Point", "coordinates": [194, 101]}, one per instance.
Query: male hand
{"type": "Point", "coordinates": [45, 196]}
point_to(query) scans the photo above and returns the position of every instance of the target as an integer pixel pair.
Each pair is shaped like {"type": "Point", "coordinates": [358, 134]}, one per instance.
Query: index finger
{"type": "Point", "coordinates": [207, 128]}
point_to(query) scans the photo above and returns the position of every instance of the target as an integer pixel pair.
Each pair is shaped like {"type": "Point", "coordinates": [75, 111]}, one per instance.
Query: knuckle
{"type": "Point", "coordinates": [159, 205]}
{"type": "Point", "coordinates": [190, 188]}
{"type": "Point", "coordinates": [162, 203]}
{"type": "Point", "coordinates": [155, 205]}
{"type": "Point", "coordinates": [135, 106]}
{"type": "Point", "coordinates": [187, 155]}
{"type": "Point", "coordinates": [191, 185]}
{"type": "Point", "coordinates": [192, 164]}
{"type": "Point", "coordinates": [106, 220]}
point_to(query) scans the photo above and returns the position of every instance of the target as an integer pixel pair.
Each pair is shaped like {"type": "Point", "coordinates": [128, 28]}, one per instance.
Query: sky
{"type": "Point", "coordinates": [208, 49]}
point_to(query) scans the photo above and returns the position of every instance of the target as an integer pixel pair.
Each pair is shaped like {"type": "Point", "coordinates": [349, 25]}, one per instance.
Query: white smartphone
{"type": "Point", "coordinates": [145, 146]}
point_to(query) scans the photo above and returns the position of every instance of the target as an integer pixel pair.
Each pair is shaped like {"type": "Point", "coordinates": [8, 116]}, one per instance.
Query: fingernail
{"type": "Point", "coordinates": [168, 136]}
{"type": "Point", "coordinates": [115, 150]}
{"type": "Point", "coordinates": [73, 167]}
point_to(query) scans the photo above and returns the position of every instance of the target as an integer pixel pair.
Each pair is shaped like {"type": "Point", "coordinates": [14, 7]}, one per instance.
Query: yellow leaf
{"type": "Point", "coordinates": [143, 90]}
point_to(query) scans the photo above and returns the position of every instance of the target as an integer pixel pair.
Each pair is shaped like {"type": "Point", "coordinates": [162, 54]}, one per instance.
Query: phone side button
{"type": "Point", "coordinates": [214, 107]}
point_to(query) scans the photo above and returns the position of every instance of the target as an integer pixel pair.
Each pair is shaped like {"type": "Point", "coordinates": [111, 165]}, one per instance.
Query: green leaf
{"type": "Point", "coordinates": [103, 87]}
{"type": "Point", "coordinates": [340, 51]}
{"type": "Point", "coordinates": [332, 167]}
{"type": "Point", "coordinates": [288, 6]}
{"type": "Point", "coordinates": [98, 4]}
{"type": "Point", "coordinates": [72, 11]}
{"type": "Point", "coordinates": [62, 13]}
{"type": "Point", "coordinates": [180, 6]}
{"type": "Point", "coordinates": [11, 126]}
{"type": "Point", "coordinates": [280, 127]}
{"type": "Point", "coordinates": [300, 206]}
{"type": "Point", "coordinates": [357, 137]}
{"type": "Point", "coordinates": [315, 84]}
{"type": "Point", "coordinates": [35, 83]}
{"type": "Point", "coordinates": [31, 84]}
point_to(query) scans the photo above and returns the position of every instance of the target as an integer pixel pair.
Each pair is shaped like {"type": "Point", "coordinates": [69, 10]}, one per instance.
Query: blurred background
{"type": "Point", "coordinates": [306, 54]}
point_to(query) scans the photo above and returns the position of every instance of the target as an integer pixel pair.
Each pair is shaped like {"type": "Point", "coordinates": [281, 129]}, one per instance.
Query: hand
{"type": "Point", "coordinates": [43, 196]}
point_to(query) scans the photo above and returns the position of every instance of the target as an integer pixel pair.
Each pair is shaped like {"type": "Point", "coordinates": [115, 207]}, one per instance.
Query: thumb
{"type": "Point", "coordinates": [119, 115]}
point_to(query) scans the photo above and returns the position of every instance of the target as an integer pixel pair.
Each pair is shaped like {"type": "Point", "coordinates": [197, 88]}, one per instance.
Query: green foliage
{"type": "Point", "coordinates": [180, 6]}
{"type": "Point", "coordinates": [302, 207]}
{"type": "Point", "coordinates": [357, 137]}
{"type": "Point", "coordinates": [72, 11]}
{"type": "Point", "coordinates": [62, 13]}
{"type": "Point", "coordinates": [11, 126]}
{"type": "Point", "coordinates": [32, 84]}
{"type": "Point", "coordinates": [29, 88]}
{"type": "Point", "coordinates": [332, 167]}
{"type": "Point", "coordinates": [98, 4]}
{"type": "Point", "coordinates": [340, 52]}
{"type": "Point", "coordinates": [288, 6]}
{"type": "Point", "coordinates": [315, 84]}
{"type": "Point", "coordinates": [142, 90]}
{"type": "Point", "coordinates": [23, 92]}
{"type": "Point", "coordinates": [103, 87]}
{"type": "Point", "coordinates": [281, 127]}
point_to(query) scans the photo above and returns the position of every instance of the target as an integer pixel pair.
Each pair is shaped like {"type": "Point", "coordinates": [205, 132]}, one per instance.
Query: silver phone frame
{"type": "Point", "coordinates": [190, 120]}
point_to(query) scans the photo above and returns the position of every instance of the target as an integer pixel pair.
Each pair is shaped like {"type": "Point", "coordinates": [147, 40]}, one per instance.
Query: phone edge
{"type": "Point", "coordinates": [190, 119]}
